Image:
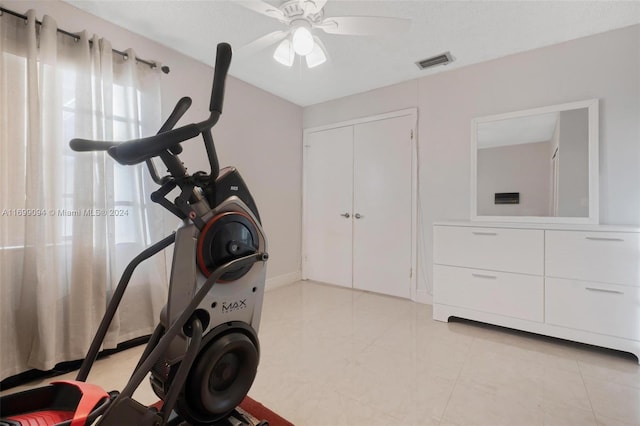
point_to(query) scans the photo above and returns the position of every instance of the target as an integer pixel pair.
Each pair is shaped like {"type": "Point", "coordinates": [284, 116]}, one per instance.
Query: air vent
{"type": "Point", "coordinates": [442, 59]}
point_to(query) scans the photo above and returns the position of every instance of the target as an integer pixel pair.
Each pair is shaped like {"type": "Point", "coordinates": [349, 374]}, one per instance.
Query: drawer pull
{"type": "Point", "coordinates": [484, 233]}
{"type": "Point", "coordinates": [604, 290]}
{"type": "Point", "coordinates": [489, 277]}
{"type": "Point", "coordinates": [603, 239]}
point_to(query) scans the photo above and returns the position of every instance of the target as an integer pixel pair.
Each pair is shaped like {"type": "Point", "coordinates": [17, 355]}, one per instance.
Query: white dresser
{"type": "Point", "coordinates": [576, 282]}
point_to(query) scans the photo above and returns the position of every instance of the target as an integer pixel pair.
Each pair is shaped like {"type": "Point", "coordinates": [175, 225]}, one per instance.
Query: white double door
{"type": "Point", "coordinates": [358, 205]}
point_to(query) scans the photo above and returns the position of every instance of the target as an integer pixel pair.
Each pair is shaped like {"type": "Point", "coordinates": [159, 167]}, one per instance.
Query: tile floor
{"type": "Point", "coordinates": [333, 356]}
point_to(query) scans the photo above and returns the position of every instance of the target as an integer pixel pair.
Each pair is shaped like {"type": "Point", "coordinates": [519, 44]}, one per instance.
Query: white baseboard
{"type": "Point", "coordinates": [282, 280]}
{"type": "Point", "coordinates": [423, 297]}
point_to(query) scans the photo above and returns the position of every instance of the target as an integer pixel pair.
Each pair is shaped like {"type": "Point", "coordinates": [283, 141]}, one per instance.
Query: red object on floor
{"type": "Point", "coordinates": [44, 406]}
{"type": "Point", "coordinates": [261, 412]}
{"type": "Point", "coordinates": [91, 397]}
{"type": "Point", "coordinates": [42, 418]}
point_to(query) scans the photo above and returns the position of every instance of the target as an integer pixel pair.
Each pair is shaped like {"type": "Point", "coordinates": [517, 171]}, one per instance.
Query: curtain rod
{"type": "Point", "coordinates": [165, 69]}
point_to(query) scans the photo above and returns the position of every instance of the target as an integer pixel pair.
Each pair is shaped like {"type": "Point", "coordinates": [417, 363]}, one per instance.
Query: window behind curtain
{"type": "Point", "coordinates": [127, 197]}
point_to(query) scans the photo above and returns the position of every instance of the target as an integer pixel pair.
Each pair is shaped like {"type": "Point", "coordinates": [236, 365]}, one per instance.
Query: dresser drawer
{"type": "Point", "coordinates": [498, 249]}
{"type": "Point", "coordinates": [502, 293]}
{"type": "Point", "coordinates": [612, 257]}
{"type": "Point", "coordinates": [609, 309]}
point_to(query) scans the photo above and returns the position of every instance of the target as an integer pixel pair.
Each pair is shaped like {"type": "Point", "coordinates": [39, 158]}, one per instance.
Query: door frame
{"type": "Point", "coordinates": [410, 112]}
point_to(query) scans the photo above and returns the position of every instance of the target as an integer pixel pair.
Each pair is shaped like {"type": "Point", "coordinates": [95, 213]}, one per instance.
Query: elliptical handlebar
{"type": "Point", "coordinates": [223, 61]}
{"type": "Point", "coordinates": [86, 145]}
{"type": "Point", "coordinates": [138, 150]}
{"type": "Point", "coordinates": [178, 111]}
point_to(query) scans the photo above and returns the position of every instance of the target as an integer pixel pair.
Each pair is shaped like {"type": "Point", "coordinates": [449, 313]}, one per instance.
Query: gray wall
{"type": "Point", "coordinates": [523, 168]}
{"type": "Point", "coordinates": [604, 66]}
{"type": "Point", "coordinates": [258, 133]}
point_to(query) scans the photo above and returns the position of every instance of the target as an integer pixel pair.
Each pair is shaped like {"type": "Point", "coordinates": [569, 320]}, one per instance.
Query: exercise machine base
{"type": "Point", "coordinates": [238, 417]}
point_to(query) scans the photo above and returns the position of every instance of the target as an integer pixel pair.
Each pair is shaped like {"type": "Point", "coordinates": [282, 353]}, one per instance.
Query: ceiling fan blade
{"type": "Point", "coordinates": [261, 43]}
{"type": "Point", "coordinates": [262, 8]}
{"type": "Point", "coordinates": [363, 25]}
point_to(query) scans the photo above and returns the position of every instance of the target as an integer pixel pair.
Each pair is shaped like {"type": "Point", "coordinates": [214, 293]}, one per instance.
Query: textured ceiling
{"type": "Point", "coordinates": [474, 31]}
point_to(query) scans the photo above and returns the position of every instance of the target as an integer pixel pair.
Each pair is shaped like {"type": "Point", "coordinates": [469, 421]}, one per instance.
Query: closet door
{"type": "Point", "coordinates": [382, 206]}
{"type": "Point", "coordinates": [328, 204]}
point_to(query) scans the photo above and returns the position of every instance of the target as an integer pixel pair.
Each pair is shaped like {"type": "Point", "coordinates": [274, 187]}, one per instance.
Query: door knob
{"type": "Point", "coordinates": [358, 216]}
{"type": "Point", "coordinates": [347, 215]}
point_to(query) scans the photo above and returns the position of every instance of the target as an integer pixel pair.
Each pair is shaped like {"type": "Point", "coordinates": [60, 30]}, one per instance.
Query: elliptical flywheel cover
{"type": "Point", "coordinates": [220, 378]}
{"type": "Point", "coordinates": [226, 237]}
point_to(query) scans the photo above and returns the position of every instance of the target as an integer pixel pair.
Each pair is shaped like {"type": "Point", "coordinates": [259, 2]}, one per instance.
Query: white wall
{"type": "Point", "coordinates": [604, 66]}
{"type": "Point", "coordinates": [258, 133]}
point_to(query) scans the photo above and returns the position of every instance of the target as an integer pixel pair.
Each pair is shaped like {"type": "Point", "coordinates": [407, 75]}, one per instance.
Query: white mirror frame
{"type": "Point", "coordinates": [594, 174]}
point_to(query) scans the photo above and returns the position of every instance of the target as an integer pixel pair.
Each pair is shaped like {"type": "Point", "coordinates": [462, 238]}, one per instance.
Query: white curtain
{"type": "Point", "coordinates": [70, 222]}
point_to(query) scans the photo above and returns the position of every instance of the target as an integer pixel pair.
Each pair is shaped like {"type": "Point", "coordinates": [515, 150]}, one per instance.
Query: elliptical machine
{"type": "Point", "coordinates": [204, 353]}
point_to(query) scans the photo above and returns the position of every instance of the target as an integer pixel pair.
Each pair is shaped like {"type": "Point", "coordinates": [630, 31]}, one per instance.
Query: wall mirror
{"type": "Point", "coordinates": [537, 165]}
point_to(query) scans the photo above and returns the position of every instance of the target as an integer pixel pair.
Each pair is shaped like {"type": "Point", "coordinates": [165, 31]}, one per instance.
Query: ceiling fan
{"type": "Point", "coordinates": [304, 16]}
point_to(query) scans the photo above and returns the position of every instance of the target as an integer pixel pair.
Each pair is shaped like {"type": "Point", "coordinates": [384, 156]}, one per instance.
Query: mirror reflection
{"type": "Point", "coordinates": [534, 165]}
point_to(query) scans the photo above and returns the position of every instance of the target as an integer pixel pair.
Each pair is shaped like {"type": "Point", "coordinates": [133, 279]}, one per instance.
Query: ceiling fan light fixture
{"type": "Point", "coordinates": [303, 43]}
{"type": "Point", "coordinates": [284, 53]}
{"type": "Point", "coordinates": [316, 57]}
